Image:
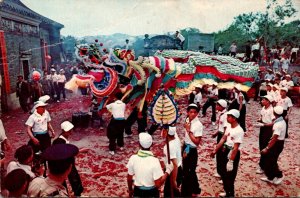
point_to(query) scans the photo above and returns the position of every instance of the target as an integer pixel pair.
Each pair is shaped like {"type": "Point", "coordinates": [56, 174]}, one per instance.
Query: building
{"type": "Point", "coordinates": [201, 42]}
{"type": "Point", "coordinates": [28, 40]}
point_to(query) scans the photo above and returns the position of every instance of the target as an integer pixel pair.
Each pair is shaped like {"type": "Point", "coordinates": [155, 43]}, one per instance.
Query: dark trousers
{"type": "Point", "coordinates": [153, 128]}
{"type": "Point", "coordinates": [190, 183]}
{"type": "Point", "coordinates": [115, 132]}
{"type": "Point", "coordinates": [265, 135]}
{"type": "Point", "coordinates": [256, 86]}
{"type": "Point", "coordinates": [272, 169]}
{"type": "Point", "coordinates": [167, 188]}
{"type": "Point", "coordinates": [219, 154]}
{"type": "Point", "coordinates": [45, 142]}
{"type": "Point", "coordinates": [61, 90]}
{"type": "Point", "coordinates": [228, 177]}
{"type": "Point", "coordinates": [75, 181]}
{"type": "Point", "coordinates": [287, 122]}
{"type": "Point", "coordinates": [242, 118]}
{"type": "Point", "coordinates": [24, 103]}
{"type": "Point", "coordinates": [142, 122]}
{"type": "Point", "coordinates": [208, 103]}
{"type": "Point", "coordinates": [137, 192]}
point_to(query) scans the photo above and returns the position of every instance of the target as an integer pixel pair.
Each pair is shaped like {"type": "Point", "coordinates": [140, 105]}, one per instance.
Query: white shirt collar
{"type": "Point", "coordinates": [62, 137]}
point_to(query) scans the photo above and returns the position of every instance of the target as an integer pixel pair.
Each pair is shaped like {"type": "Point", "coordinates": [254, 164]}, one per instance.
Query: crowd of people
{"type": "Point", "coordinates": [29, 174]}
{"type": "Point", "coordinates": [255, 51]}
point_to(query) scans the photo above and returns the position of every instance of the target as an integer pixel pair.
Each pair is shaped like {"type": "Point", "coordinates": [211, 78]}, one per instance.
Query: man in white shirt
{"type": "Point", "coordinates": [222, 124]}
{"type": "Point", "coordinates": [61, 81]}
{"type": "Point", "coordinates": [198, 96]}
{"type": "Point", "coordinates": [24, 156]}
{"type": "Point", "coordinates": [180, 38]}
{"type": "Point", "coordinates": [176, 160]}
{"type": "Point", "coordinates": [212, 97]}
{"type": "Point", "coordinates": [230, 147]}
{"type": "Point", "coordinates": [285, 64]}
{"type": "Point", "coordinates": [193, 134]}
{"type": "Point", "coordinates": [115, 129]}
{"type": "Point", "coordinates": [286, 103]}
{"type": "Point", "coordinates": [233, 49]}
{"type": "Point", "coordinates": [288, 83]}
{"type": "Point", "coordinates": [146, 169]}
{"type": "Point", "coordinates": [52, 78]}
{"type": "Point", "coordinates": [274, 148]}
{"type": "Point", "coordinates": [266, 123]}
{"type": "Point", "coordinates": [39, 128]}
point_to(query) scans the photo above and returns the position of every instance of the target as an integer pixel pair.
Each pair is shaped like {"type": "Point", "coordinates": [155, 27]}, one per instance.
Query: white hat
{"type": "Point", "coordinates": [172, 130]}
{"type": "Point", "coordinates": [66, 126]}
{"type": "Point", "coordinates": [238, 87]}
{"type": "Point", "coordinates": [276, 86]}
{"type": "Point", "coordinates": [288, 75]}
{"type": "Point", "coordinates": [145, 140]}
{"type": "Point", "coordinates": [270, 84]}
{"type": "Point", "coordinates": [278, 110]}
{"type": "Point", "coordinates": [268, 97]}
{"type": "Point", "coordinates": [284, 89]}
{"type": "Point", "coordinates": [39, 104]}
{"type": "Point", "coordinates": [235, 113]}
{"type": "Point", "coordinates": [61, 70]}
{"type": "Point", "coordinates": [44, 98]}
{"type": "Point", "coordinates": [222, 102]}
{"type": "Point", "coordinates": [214, 83]}
{"type": "Point", "coordinates": [53, 70]}
{"type": "Point", "coordinates": [198, 86]}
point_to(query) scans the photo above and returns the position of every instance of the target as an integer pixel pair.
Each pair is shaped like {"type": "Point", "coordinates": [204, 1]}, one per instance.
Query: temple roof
{"type": "Point", "coordinates": [18, 7]}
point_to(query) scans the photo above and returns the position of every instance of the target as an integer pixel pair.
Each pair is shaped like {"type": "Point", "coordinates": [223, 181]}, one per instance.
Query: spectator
{"type": "Point", "coordinates": [23, 93]}
{"type": "Point", "coordinates": [233, 49]}
{"type": "Point", "coordinates": [181, 38]}
{"type": "Point", "coordinates": [16, 182]}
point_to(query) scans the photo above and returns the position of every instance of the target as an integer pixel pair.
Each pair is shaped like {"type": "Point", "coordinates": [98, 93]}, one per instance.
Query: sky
{"type": "Point", "coordinates": [138, 17]}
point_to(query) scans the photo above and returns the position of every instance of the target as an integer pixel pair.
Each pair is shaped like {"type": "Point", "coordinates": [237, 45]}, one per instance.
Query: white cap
{"type": "Point", "coordinates": [222, 102]}
{"type": "Point", "coordinates": [270, 84]}
{"type": "Point", "coordinates": [284, 89]}
{"type": "Point", "coordinates": [198, 86]}
{"type": "Point", "coordinates": [39, 104]}
{"type": "Point", "coordinates": [268, 97]}
{"type": "Point", "coordinates": [44, 98]}
{"type": "Point", "coordinates": [288, 75]}
{"type": "Point", "coordinates": [172, 130]}
{"type": "Point", "coordinates": [278, 110]}
{"type": "Point", "coordinates": [61, 70]}
{"type": "Point", "coordinates": [66, 126]}
{"type": "Point", "coordinates": [276, 86]}
{"type": "Point", "coordinates": [53, 70]}
{"type": "Point", "coordinates": [145, 140]}
{"type": "Point", "coordinates": [235, 113]}
{"type": "Point", "coordinates": [238, 87]}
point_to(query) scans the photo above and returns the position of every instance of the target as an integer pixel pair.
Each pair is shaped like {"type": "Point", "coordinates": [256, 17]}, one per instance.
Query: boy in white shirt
{"type": "Point", "coordinates": [265, 133]}
{"type": "Point", "coordinates": [274, 148]}
{"type": "Point", "coordinates": [198, 96]}
{"type": "Point", "coordinates": [193, 134]}
{"type": "Point", "coordinates": [115, 128]}
{"type": "Point", "coordinates": [285, 102]}
{"type": "Point", "coordinates": [230, 146]}
{"type": "Point", "coordinates": [222, 124]}
{"type": "Point", "coordinates": [61, 81]}
{"type": "Point", "coordinates": [175, 158]}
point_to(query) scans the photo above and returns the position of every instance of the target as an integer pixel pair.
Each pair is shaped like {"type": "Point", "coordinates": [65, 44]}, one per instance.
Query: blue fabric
{"type": "Point", "coordinates": [146, 188]}
{"type": "Point", "coordinates": [40, 133]}
{"type": "Point", "coordinates": [188, 147]}
{"type": "Point", "coordinates": [119, 118]}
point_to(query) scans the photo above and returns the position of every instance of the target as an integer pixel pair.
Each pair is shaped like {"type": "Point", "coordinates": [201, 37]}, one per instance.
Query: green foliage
{"type": "Point", "coordinates": [269, 25]}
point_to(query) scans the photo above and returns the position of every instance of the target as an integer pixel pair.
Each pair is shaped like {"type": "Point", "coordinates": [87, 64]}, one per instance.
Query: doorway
{"type": "Point", "coordinates": [25, 64]}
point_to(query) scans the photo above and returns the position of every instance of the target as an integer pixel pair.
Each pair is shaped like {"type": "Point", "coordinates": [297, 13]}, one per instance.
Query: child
{"type": "Point", "coordinates": [193, 134]}
{"type": "Point", "coordinates": [115, 128]}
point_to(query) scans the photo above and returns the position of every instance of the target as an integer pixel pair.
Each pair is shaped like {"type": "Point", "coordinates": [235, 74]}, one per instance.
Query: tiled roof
{"type": "Point", "coordinates": [18, 7]}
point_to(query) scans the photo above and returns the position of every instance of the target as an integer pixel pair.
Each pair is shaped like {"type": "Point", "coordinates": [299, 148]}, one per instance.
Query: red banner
{"type": "Point", "coordinates": [3, 61]}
